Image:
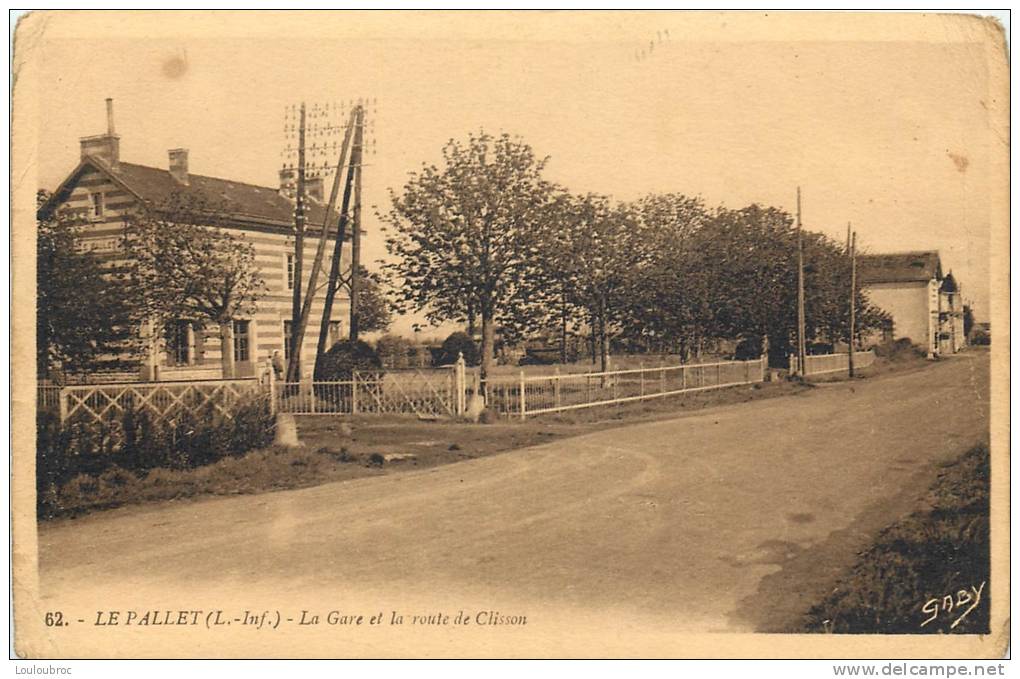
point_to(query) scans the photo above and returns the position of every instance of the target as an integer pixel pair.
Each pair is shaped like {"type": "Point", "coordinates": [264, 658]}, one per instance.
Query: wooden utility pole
{"type": "Point", "coordinates": [333, 284]}
{"type": "Point", "coordinates": [298, 329]}
{"type": "Point", "coordinates": [853, 295]}
{"type": "Point", "coordinates": [801, 340]}
{"type": "Point", "coordinates": [294, 364]}
{"type": "Point", "coordinates": [563, 323]}
{"type": "Point", "coordinates": [359, 141]}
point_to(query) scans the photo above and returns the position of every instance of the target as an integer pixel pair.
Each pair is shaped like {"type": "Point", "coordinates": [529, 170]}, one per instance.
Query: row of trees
{"type": "Point", "coordinates": [486, 236]}
{"type": "Point", "coordinates": [483, 237]}
{"type": "Point", "coordinates": [173, 263]}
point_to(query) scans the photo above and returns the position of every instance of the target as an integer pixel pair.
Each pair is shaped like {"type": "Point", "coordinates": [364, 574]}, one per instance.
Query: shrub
{"type": "Point", "coordinates": [820, 348]}
{"type": "Point", "coordinates": [253, 426]}
{"type": "Point", "coordinates": [78, 492]}
{"type": "Point", "coordinates": [343, 358]}
{"type": "Point", "coordinates": [980, 338]}
{"type": "Point", "coordinates": [116, 482]}
{"type": "Point", "coordinates": [899, 350]}
{"type": "Point", "coordinates": [393, 351]}
{"type": "Point", "coordinates": [161, 477]}
{"type": "Point", "coordinates": [747, 349]}
{"type": "Point", "coordinates": [52, 466]}
{"type": "Point", "coordinates": [539, 357]}
{"type": "Point", "coordinates": [148, 443]}
{"type": "Point", "coordinates": [428, 356]}
{"type": "Point", "coordinates": [459, 343]}
{"type": "Point", "coordinates": [83, 459]}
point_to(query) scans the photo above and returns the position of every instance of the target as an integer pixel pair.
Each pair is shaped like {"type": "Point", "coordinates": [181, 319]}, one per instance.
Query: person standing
{"type": "Point", "coordinates": [277, 362]}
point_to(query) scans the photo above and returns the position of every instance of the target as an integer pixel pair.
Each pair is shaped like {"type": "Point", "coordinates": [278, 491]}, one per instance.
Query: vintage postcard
{"type": "Point", "coordinates": [510, 334]}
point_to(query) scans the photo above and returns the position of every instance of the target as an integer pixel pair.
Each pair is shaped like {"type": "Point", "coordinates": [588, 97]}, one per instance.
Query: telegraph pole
{"type": "Point", "coordinates": [853, 293]}
{"type": "Point", "coordinates": [359, 140]}
{"type": "Point", "coordinates": [563, 323]}
{"type": "Point", "coordinates": [354, 281]}
{"type": "Point", "coordinates": [801, 340]}
{"type": "Point", "coordinates": [294, 364]}
{"type": "Point", "coordinates": [321, 129]}
{"type": "Point", "coordinates": [334, 283]}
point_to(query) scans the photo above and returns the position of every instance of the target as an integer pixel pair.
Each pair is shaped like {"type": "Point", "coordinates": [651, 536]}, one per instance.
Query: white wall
{"type": "Point", "coordinates": [908, 303]}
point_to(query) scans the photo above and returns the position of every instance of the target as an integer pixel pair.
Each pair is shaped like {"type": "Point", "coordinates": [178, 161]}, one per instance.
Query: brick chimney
{"type": "Point", "coordinates": [288, 182]}
{"type": "Point", "coordinates": [314, 188]}
{"type": "Point", "coordinates": [103, 146]}
{"type": "Point", "coordinates": [179, 165]}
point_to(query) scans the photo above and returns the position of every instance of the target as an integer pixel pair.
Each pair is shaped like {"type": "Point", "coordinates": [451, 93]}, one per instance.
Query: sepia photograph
{"type": "Point", "coordinates": [509, 334]}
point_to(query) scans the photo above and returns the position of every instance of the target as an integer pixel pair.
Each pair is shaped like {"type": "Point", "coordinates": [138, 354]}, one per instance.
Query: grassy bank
{"type": "Point", "coordinates": [925, 572]}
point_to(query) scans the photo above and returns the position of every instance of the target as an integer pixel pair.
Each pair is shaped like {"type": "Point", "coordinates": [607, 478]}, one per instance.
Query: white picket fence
{"type": "Point", "coordinates": [535, 394]}
{"type": "Point", "coordinates": [99, 402]}
{"type": "Point", "coordinates": [435, 393]}
{"type": "Point", "coordinates": [830, 363]}
{"type": "Point", "coordinates": [48, 398]}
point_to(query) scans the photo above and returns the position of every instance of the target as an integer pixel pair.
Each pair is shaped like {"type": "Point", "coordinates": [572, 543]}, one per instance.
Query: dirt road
{"type": "Point", "coordinates": [728, 519]}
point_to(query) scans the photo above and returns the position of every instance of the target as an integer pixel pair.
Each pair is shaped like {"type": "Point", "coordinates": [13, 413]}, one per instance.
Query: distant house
{"type": "Point", "coordinates": [924, 305]}
{"type": "Point", "coordinates": [105, 190]}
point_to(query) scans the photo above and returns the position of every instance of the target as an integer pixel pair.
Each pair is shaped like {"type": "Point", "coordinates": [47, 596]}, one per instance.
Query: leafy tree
{"type": "Point", "coordinates": [463, 236]}
{"type": "Point", "coordinates": [345, 357]}
{"type": "Point", "coordinates": [594, 250]}
{"type": "Point", "coordinates": [375, 312]}
{"type": "Point", "coordinates": [750, 257]}
{"type": "Point", "coordinates": [554, 296]}
{"type": "Point", "coordinates": [668, 307]}
{"type": "Point", "coordinates": [84, 313]}
{"type": "Point", "coordinates": [393, 350]}
{"type": "Point", "coordinates": [459, 343]}
{"type": "Point", "coordinates": [827, 291]}
{"type": "Point", "coordinates": [184, 266]}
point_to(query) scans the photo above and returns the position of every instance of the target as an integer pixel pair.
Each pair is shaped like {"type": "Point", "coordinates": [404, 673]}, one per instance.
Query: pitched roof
{"type": "Point", "coordinates": [899, 267]}
{"type": "Point", "coordinates": [245, 203]}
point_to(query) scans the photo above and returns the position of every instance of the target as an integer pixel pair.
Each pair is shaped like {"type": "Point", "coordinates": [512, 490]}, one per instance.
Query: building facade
{"type": "Point", "coordinates": [924, 305]}
{"type": "Point", "coordinates": [105, 190]}
{"type": "Point", "coordinates": [952, 337]}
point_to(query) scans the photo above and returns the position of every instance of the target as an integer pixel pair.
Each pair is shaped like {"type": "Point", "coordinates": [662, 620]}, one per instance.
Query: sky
{"type": "Point", "coordinates": [891, 125]}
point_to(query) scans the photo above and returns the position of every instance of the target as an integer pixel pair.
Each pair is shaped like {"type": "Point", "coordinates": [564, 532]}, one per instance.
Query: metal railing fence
{"type": "Point", "coordinates": [532, 395]}
{"type": "Point", "coordinates": [426, 393]}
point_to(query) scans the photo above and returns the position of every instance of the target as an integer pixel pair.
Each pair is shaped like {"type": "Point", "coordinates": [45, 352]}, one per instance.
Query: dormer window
{"type": "Point", "coordinates": [97, 206]}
